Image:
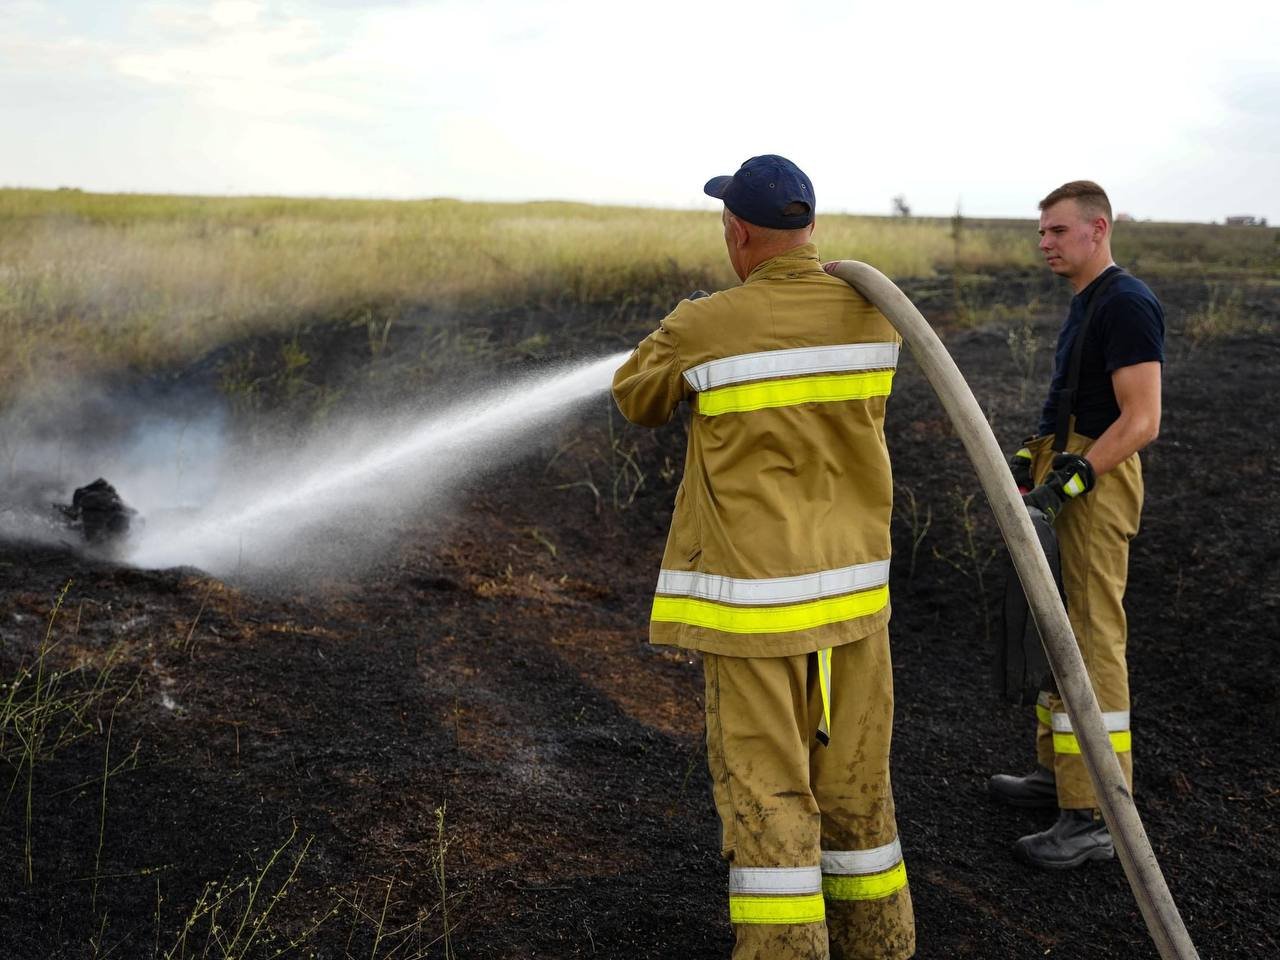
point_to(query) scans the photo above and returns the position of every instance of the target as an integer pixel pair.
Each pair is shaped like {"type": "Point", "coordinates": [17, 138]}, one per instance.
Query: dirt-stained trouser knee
{"type": "Point", "coordinates": [815, 867]}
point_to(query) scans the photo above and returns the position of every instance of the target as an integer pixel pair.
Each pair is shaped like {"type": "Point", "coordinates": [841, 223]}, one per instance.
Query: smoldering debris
{"type": "Point", "coordinates": [98, 513]}
{"type": "Point", "coordinates": [278, 509]}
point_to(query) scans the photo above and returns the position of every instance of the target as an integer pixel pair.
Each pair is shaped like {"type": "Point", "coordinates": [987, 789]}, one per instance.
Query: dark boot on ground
{"type": "Point", "coordinates": [1036, 789]}
{"type": "Point", "coordinates": [1078, 837]}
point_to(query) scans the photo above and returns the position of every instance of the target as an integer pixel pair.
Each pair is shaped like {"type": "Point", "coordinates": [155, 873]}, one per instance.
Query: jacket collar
{"type": "Point", "coordinates": [797, 260]}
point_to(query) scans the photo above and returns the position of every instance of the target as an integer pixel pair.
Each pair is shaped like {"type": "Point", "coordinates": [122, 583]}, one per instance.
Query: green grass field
{"type": "Point", "coordinates": [94, 282]}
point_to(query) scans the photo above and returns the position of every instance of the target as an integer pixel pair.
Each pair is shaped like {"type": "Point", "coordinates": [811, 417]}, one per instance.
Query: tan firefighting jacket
{"type": "Point", "coordinates": [779, 543]}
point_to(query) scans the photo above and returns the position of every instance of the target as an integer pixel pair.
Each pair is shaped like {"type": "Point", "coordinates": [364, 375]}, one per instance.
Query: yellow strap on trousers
{"type": "Point", "coordinates": [824, 682]}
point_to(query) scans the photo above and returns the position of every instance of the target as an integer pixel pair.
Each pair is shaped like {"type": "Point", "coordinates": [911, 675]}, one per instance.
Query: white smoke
{"type": "Point", "coordinates": [323, 506]}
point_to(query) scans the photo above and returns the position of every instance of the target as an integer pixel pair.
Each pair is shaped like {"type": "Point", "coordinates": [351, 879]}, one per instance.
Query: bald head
{"type": "Point", "coordinates": [750, 245]}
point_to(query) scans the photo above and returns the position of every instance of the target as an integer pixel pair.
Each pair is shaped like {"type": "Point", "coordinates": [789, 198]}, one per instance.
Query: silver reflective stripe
{"type": "Point", "coordinates": [1114, 721]}
{"type": "Point", "coordinates": [747, 592]}
{"type": "Point", "coordinates": [775, 880]}
{"type": "Point", "coordinates": [852, 862]}
{"type": "Point", "coordinates": [1043, 699]}
{"type": "Point", "coordinates": [791, 363]}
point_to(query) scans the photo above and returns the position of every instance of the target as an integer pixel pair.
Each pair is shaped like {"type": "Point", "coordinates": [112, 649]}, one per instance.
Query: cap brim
{"type": "Point", "coordinates": [717, 186]}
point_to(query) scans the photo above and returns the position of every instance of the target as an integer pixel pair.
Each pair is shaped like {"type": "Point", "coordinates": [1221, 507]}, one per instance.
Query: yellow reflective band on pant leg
{"type": "Point", "coordinates": [867, 886]}
{"type": "Point", "coordinates": [782, 619]}
{"type": "Point", "coordinates": [794, 391]}
{"type": "Point", "coordinates": [1044, 716]}
{"type": "Point", "coordinates": [809, 908]}
{"type": "Point", "coordinates": [1121, 742]}
{"type": "Point", "coordinates": [824, 682]}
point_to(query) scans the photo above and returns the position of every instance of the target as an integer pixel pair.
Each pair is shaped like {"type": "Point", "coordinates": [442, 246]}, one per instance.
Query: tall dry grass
{"type": "Point", "coordinates": [100, 281]}
{"type": "Point", "coordinates": [95, 281]}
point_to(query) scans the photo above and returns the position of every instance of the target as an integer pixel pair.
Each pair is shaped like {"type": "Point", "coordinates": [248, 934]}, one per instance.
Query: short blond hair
{"type": "Point", "coordinates": [1092, 198]}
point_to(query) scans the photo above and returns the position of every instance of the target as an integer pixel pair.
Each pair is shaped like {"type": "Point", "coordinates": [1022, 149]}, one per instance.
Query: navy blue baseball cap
{"type": "Point", "coordinates": [762, 190]}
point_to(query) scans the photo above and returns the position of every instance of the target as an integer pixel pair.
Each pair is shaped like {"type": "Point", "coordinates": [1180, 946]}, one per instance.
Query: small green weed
{"type": "Point", "coordinates": [43, 710]}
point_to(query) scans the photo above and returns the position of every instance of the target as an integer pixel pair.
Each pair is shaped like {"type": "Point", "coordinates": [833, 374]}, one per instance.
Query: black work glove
{"type": "Point", "coordinates": [1020, 467]}
{"type": "Point", "coordinates": [1071, 476]}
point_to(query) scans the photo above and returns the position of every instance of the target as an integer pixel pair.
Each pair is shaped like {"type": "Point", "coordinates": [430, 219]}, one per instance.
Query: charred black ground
{"type": "Point", "coordinates": [487, 693]}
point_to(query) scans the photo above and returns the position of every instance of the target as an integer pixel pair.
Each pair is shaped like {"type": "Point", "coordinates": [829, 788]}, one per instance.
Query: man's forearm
{"type": "Point", "coordinates": [1130, 433]}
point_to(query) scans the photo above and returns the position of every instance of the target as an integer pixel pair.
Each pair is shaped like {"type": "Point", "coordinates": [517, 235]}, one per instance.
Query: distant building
{"type": "Point", "coordinates": [1124, 218]}
{"type": "Point", "coordinates": [1245, 220]}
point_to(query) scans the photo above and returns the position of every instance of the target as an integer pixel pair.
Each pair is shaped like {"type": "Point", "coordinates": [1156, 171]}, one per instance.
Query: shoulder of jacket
{"type": "Point", "coordinates": [690, 314]}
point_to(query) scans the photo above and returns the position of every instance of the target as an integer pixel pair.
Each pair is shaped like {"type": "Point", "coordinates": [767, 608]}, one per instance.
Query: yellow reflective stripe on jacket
{"type": "Point", "coordinates": [788, 393]}
{"type": "Point", "coordinates": [792, 362]}
{"type": "Point", "coordinates": [807, 908]}
{"type": "Point", "coordinates": [771, 591]}
{"type": "Point", "coordinates": [782, 619]}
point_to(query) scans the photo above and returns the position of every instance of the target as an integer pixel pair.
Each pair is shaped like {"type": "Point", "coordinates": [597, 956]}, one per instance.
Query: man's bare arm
{"type": "Point", "coordinates": [1137, 390]}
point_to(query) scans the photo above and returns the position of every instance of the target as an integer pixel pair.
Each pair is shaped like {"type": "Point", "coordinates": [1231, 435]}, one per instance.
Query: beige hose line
{"type": "Point", "coordinates": [1140, 866]}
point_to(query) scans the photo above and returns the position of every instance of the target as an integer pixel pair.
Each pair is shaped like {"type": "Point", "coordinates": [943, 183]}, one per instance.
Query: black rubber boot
{"type": "Point", "coordinates": [1078, 837]}
{"type": "Point", "coordinates": [1036, 789]}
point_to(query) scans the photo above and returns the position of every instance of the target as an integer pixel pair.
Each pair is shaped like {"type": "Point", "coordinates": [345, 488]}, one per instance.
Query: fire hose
{"type": "Point", "coordinates": [1139, 861]}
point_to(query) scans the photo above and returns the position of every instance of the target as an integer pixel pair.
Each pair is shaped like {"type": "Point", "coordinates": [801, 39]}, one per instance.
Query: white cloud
{"type": "Point", "coordinates": [989, 105]}
{"type": "Point", "coordinates": [235, 13]}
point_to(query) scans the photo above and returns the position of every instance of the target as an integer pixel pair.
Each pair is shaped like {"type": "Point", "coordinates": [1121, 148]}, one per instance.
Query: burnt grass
{"type": "Point", "coordinates": [474, 736]}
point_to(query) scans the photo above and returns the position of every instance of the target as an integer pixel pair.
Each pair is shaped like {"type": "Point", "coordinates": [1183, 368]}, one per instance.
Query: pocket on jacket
{"type": "Point", "coordinates": [685, 539]}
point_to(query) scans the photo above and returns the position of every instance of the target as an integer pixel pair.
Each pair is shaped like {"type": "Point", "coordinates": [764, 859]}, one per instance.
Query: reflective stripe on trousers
{"type": "Point", "coordinates": [796, 894]}
{"type": "Point", "coordinates": [1064, 738]}
{"type": "Point", "coordinates": [776, 895]}
{"type": "Point", "coordinates": [863, 874]}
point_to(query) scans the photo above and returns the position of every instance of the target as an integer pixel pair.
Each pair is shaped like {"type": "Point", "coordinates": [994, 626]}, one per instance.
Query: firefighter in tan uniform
{"type": "Point", "coordinates": [776, 568]}
{"type": "Point", "coordinates": [1090, 486]}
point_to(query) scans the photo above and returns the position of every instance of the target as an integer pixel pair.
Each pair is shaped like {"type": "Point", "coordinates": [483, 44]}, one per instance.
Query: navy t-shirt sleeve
{"type": "Point", "coordinates": [1132, 331]}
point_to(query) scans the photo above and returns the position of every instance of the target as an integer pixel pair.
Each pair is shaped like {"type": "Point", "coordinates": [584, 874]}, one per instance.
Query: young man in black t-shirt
{"type": "Point", "coordinates": [1092, 491]}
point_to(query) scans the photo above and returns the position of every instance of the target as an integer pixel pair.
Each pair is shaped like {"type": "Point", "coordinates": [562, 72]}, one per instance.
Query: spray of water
{"type": "Point", "coordinates": [340, 497]}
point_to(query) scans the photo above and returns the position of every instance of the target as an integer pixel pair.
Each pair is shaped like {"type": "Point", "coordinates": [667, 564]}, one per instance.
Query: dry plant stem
{"type": "Point", "coordinates": [1143, 871]}
{"type": "Point", "coordinates": [249, 926]}
{"type": "Point", "coordinates": [441, 847]}
{"type": "Point", "coordinates": [186, 644]}
{"type": "Point", "coordinates": [382, 920]}
{"type": "Point", "coordinates": [1024, 345]}
{"type": "Point", "coordinates": [919, 526]}
{"type": "Point", "coordinates": [38, 724]}
{"type": "Point", "coordinates": [595, 491]}
{"type": "Point", "coordinates": [102, 811]}
{"type": "Point", "coordinates": [626, 474]}
{"type": "Point", "coordinates": [974, 565]}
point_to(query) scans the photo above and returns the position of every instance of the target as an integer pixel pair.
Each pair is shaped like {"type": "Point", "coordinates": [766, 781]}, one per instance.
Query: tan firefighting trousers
{"type": "Point", "coordinates": [1093, 539]}
{"type": "Point", "coordinates": [815, 868]}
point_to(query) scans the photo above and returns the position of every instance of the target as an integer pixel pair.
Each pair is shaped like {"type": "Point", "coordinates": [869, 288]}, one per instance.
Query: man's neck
{"type": "Point", "coordinates": [1094, 271]}
{"type": "Point", "coordinates": [762, 256]}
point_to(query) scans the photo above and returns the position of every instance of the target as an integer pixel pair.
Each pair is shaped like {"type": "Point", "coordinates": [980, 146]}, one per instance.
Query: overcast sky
{"type": "Point", "coordinates": [985, 104]}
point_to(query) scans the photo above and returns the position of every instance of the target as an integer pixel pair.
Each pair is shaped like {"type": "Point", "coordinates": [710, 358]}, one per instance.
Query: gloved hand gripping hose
{"type": "Point", "coordinates": [1071, 476]}
{"type": "Point", "coordinates": [1154, 900]}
